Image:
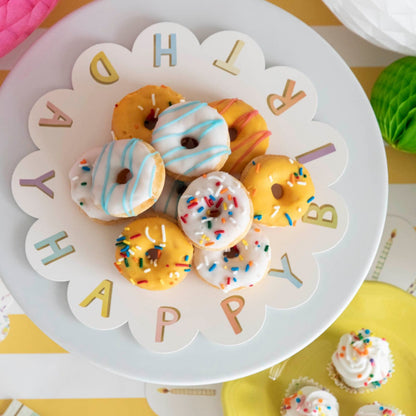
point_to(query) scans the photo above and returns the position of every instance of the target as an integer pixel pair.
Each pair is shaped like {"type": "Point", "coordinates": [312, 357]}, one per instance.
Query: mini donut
{"type": "Point", "coordinates": [281, 189]}
{"type": "Point", "coordinates": [215, 211]}
{"type": "Point", "coordinates": [127, 178]}
{"type": "Point", "coordinates": [192, 139]}
{"type": "Point", "coordinates": [168, 201]}
{"type": "Point", "coordinates": [80, 176]}
{"type": "Point", "coordinates": [242, 265]}
{"type": "Point", "coordinates": [153, 253]}
{"type": "Point", "coordinates": [137, 113]}
{"type": "Point", "coordinates": [248, 131]}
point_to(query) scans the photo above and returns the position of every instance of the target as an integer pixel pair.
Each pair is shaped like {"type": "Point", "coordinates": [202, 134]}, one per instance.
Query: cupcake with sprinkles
{"type": "Point", "coordinates": [361, 363]}
{"type": "Point", "coordinates": [281, 189]}
{"type": "Point", "coordinates": [242, 265]}
{"type": "Point", "coordinates": [153, 253]}
{"type": "Point", "coordinates": [307, 398]}
{"type": "Point", "coordinates": [192, 139]}
{"type": "Point", "coordinates": [215, 211]}
{"type": "Point", "coordinates": [378, 409]}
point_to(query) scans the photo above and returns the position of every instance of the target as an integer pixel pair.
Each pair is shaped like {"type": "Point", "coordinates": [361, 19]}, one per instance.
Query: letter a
{"type": "Point", "coordinates": [162, 321]}
{"type": "Point", "coordinates": [59, 119]}
{"type": "Point", "coordinates": [102, 292]}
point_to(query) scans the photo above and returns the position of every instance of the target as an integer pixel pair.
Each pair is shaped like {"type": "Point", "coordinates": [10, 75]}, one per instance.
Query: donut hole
{"type": "Point", "coordinates": [232, 131]}
{"type": "Point", "coordinates": [277, 190]}
{"type": "Point", "coordinates": [189, 142]}
{"type": "Point", "coordinates": [151, 120]}
{"type": "Point", "coordinates": [232, 252]}
{"type": "Point", "coordinates": [214, 212]}
{"type": "Point", "coordinates": [153, 254]}
{"type": "Point", "coordinates": [181, 188]}
{"type": "Point", "coordinates": [124, 176]}
{"type": "Point", "coordinates": [150, 123]}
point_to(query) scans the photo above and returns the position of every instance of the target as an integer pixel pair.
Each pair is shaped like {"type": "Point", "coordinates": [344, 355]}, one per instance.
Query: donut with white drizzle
{"type": "Point", "coordinates": [215, 211]}
{"type": "Point", "coordinates": [242, 265]}
{"type": "Point", "coordinates": [153, 253]}
{"type": "Point", "coordinates": [192, 138]}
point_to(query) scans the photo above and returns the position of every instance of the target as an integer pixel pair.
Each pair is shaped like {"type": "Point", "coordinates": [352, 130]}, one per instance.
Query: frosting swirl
{"type": "Point", "coordinates": [363, 360]}
{"type": "Point", "coordinates": [311, 400]}
{"type": "Point", "coordinates": [377, 409]}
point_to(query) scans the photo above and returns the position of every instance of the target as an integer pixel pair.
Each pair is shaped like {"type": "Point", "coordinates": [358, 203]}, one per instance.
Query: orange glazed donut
{"type": "Point", "coordinates": [249, 135]}
{"type": "Point", "coordinates": [136, 114]}
{"type": "Point", "coordinates": [281, 189]}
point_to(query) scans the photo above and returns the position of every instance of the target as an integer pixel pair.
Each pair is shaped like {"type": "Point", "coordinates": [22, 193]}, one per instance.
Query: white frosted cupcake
{"type": "Point", "coordinates": [377, 409]}
{"type": "Point", "coordinates": [306, 397]}
{"type": "Point", "coordinates": [362, 362]}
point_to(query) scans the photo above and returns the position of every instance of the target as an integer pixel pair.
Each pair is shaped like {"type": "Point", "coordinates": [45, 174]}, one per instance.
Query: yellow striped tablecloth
{"type": "Point", "coordinates": [25, 340]}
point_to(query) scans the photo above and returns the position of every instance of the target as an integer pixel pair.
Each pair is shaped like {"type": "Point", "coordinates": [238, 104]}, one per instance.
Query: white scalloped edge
{"type": "Point", "coordinates": [90, 106]}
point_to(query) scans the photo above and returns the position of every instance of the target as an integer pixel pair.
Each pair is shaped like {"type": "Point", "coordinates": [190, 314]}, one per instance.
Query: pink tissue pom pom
{"type": "Point", "coordinates": [19, 18]}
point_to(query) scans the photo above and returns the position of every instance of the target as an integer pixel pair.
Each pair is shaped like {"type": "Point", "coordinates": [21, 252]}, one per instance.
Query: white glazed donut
{"type": "Point", "coordinates": [215, 211]}
{"type": "Point", "coordinates": [126, 179]}
{"type": "Point", "coordinates": [80, 176]}
{"type": "Point", "coordinates": [169, 198]}
{"type": "Point", "coordinates": [192, 139]}
{"type": "Point", "coordinates": [242, 265]}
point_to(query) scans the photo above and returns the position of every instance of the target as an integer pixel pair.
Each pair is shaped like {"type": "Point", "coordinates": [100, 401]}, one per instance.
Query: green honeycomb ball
{"type": "Point", "coordinates": [394, 102]}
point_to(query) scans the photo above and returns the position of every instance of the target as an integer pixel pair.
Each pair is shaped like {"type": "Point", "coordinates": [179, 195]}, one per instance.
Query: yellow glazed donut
{"type": "Point", "coordinates": [153, 253]}
{"type": "Point", "coordinates": [136, 114]}
{"type": "Point", "coordinates": [249, 135]}
{"type": "Point", "coordinates": [280, 188]}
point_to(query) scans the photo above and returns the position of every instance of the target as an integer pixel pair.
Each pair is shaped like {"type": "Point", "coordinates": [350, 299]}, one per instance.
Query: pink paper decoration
{"type": "Point", "coordinates": [19, 18]}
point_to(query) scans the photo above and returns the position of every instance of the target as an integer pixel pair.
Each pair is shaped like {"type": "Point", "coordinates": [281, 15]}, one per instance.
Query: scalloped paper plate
{"type": "Point", "coordinates": [388, 311]}
{"type": "Point", "coordinates": [64, 245]}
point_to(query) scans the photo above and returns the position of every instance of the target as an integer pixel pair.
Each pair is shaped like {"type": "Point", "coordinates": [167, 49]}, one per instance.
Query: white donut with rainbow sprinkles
{"type": "Point", "coordinates": [215, 211]}
{"type": "Point", "coordinates": [240, 266]}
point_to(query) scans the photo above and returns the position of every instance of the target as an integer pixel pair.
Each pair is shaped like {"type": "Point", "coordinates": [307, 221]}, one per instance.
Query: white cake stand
{"type": "Point", "coordinates": [342, 103]}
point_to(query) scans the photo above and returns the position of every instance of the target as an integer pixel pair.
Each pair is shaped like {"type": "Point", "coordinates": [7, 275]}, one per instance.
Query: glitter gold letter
{"type": "Point", "coordinates": [228, 65]}
{"type": "Point", "coordinates": [318, 218]}
{"type": "Point", "coordinates": [111, 76]}
{"type": "Point", "coordinates": [162, 321]}
{"type": "Point", "coordinates": [231, 314]}
{"type": "Point", "coordinates": [103, 292]}
{"type": "Point", "coordinates": [287, 99]}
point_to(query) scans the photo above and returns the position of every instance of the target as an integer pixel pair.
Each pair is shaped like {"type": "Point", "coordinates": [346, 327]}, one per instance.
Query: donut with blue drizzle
{"type": "Point", "coordinates": [192, 139]}
{"type": "Point", "coordinates": [126, 178]}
